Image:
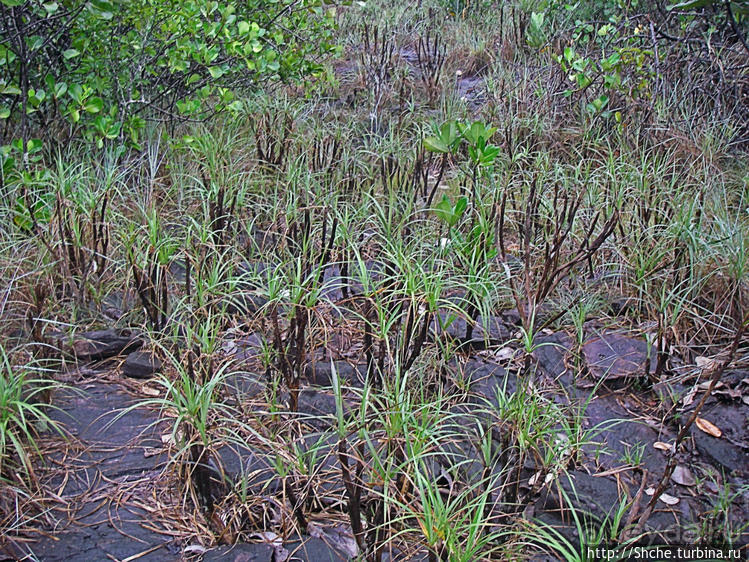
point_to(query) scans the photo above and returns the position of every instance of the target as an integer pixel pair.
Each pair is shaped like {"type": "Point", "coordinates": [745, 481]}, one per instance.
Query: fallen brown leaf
{"type": "Point", "coordinates": [708, 427]}
{"type": "Point", "coordinates": [682, 475]}
{"type": "Point", "coordinates": [668, 500]}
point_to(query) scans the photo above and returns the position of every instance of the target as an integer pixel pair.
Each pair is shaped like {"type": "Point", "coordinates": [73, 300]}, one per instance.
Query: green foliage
{"type": "Point", "coordinates": [20, 413]}
{"type": "Point", "coordinates": [535, 34]}
{"type": "Point", "coordinates": [476, 135]}
{"type": "Point", "coordinates": [618, 66]}
{"type": "Point", "coordinates": [449, 213]}
{"type": "Point", "coordinates": [738, 6]}
{"type": "Point", "coordinates": [447, 139]}
{"type": "Point", "coordinates": [99, 69]}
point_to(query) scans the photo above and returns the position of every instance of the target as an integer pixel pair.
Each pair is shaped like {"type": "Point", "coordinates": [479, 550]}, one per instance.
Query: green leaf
{"type": "Point", "coordinates": [460, 206]}
{"type": "Point", "coordinates": [12, 3]}
{"type": "Point", "coordinates": [4, 112]}
{"type": "Point", "coordinates": [11, 90]}
{"type": "Point", "coordinates": [433, 144]}
{"type": "Point", "coordinates": [104, 9]}
{"type": "Point", "coordinates": [692, 4]}
{"type": "Point", "coordinates": [444, 209]}
{"type": "Point", "coordinates": [76, 93]}
{"type": "Point", "coordinates": [94, 105]}
{"type": "Point", "coordinates": [70, 53]}
{"type": "Point", "coordinates": [60, 89]}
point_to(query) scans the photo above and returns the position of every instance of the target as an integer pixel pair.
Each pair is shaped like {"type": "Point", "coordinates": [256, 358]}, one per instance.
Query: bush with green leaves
{"type": "Point", "coordinates": [100, 69]}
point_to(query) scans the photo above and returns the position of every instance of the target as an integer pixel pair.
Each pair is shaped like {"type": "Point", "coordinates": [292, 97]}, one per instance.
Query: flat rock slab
{"type": "Point", "coordinates": [243, 552]}
{"type": "Point", "coordinates": [102, 477]}
{"type": "Point", "coordinates": [320, 373]}
{"type": "Point", "coordinates": [614, 436]}
{"type": "Point", "coordinates": [141, 365]}
{"type": "Point", "coordinates": [99, 344]}
{"type": "Point", "coordinates": [487, 332]}
{"type": "Point", "coordinates": [616, 356]}
{"type": "Point", "coordinates": [313, 549]}
{"type": "Point", "coordinates": [595, 495]}
{"type": "Point", "coordinates": [112, 534]}
{"type": "Point", "coordinates": [488, 379]}
{"type": "Point", "coordinates": [730, 451]}
{"type": "Point", "coordinates": [552, 354]}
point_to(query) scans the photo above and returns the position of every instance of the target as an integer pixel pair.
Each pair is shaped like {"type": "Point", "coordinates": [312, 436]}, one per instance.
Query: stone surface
{"type": "Point", "coordinates": [245, 302]}
{"type": "Point", "coordinates": [616, 356]}
{"type": "Point", "coordinates": [487, 332]}
{"type": "Point", "coordinates": [110, 461]}
{"type": "Point", "coordinates": [320, 373]}
{"type": "Point", "coordinates": [596, 495]}
{"type": "Point", "coordinates": [100, 344]}
{"type": "Point", "coordinates": [729, 451]}
{"type": "Point", "coordinates": [552, 354]}
{"type": "Point", "coordinates": [487, 379]}
{"type": "Point", "coordinates": [243, 552]}
{"type": "Point", "coordinates": [141, 365]}
{"type": "Point", "coordinates": [312, 549]}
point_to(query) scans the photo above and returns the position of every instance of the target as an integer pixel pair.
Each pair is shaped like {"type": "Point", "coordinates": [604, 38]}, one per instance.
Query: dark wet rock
{"type": "Point", "coordinates": [731, 450]}
{"type": "Point", "coordinates": [318, 407]}
{"type": "Point", "coordinates": [242, 552]}
{"type": "Point", "coordinates": [245, 347]}
{"type": "Point", "coordinates": [487, 332]}
{"type": "Point", "coordinates": [616, 356]}
{"type": "Point", "coordinates": [489, 379]}
{"type": "Point", "coordinates": [511, 317]}
{"type": "Point", "coordinates": [252, 275]}
{"type": "Point", "coordinates": [106, 538]}
{"type": "Point", "coordinates": [313, 549]}
{"type": "Point", "coordinates": [124, 452]}
{"type": "Point", "coordinates": [178, 271]}
{"type": "Point", "coordinates": [614, 436]}
{"type": "Point", "coordinates": [620, 305]}
{"type": "Point", "coordinates": [141, 365]}
{"type": "Point", "coordinates": [564, 526]}
{"type": "Point", "coordinates": [259, 239]}
{"type": "Point", "coordinates": [395, 555]}
{"type": "Point", "coordinates": [100, 344]}
{"type": "Point", "coordinates": [243, 462]}
{"type": "Point", "coordinates": [119, 444]}
{"type": "Point", "coordinates": [472, 89]}
{"type": "Point", "coordinates": [553, 353]}
{"type": "Point", "coordinates": [334, 284]}
{"type": "Point", "coordinates": [244, 385]}
{"type": "Point", "coordinates": [245, 302]}
{"type": "Point", "coordinates": [595, 495]}
{"type": "Point", "coordinates": [115, 305]}
{"type": "Point", "coordinates": [320, 373]}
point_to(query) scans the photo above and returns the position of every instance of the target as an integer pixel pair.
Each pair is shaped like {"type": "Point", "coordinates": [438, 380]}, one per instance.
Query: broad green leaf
{"type": "Point", "coordinates": [94, 105]}
{"type": "Point", "coordinates": [433, 144]}
{"type": "Point", "coordinates": [692, 4]}
{"type": "Point", "coordinates": [103, 8]}
{"type": "Point", "coordinates": [444, 209]}
{"type": "Point", "coordinates": [460, 206]}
